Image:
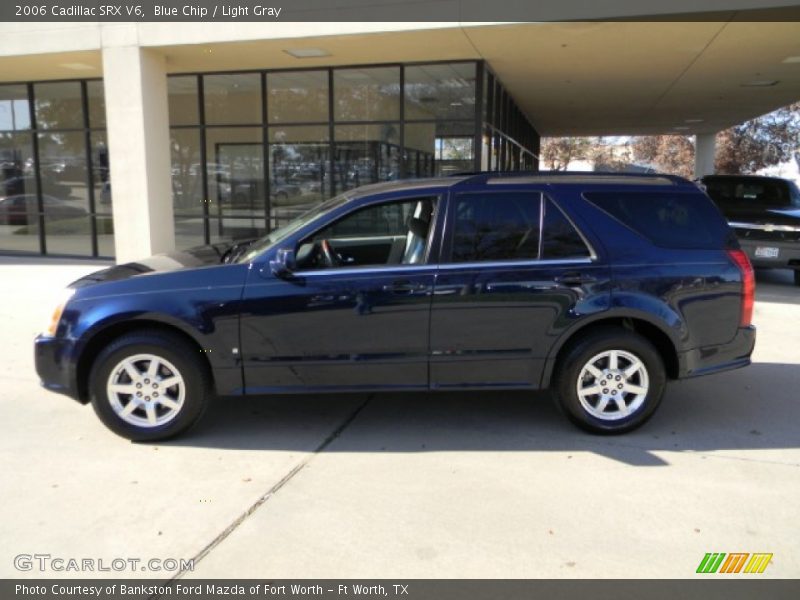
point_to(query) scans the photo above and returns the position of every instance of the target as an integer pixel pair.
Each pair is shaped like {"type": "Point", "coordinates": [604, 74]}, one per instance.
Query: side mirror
{"type": "Point", "coordinates": [284, 264]}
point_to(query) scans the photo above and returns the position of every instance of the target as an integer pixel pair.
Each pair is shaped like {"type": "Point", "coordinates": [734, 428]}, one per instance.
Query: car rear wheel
{"type": "Point", "coordinates": [611, 381]}
{"type": "Point", "coordinates": [149, 386]}
{"type": "Point", "coordinates": [797, 277]}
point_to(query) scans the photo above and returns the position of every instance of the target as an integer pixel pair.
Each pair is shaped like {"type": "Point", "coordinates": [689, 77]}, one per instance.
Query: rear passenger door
{"type": "Point", "coordinates": [515, 272]}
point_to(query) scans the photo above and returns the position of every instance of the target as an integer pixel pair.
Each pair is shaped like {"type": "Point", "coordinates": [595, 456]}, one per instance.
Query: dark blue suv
{"type": "Point", "coordinates": [598, 286]}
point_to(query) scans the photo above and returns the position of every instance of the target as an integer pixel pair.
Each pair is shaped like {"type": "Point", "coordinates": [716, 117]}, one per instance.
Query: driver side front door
{"type": "Point", "coordinates": [362, 324]}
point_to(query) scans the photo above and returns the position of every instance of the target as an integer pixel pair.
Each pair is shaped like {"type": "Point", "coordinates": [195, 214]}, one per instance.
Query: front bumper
{"type": "Point", "coordinates": [55, 365]}
{"type": "Point", "coordinates": [713, 359]}
{"type": "Point", "coordinates": [788, 253]}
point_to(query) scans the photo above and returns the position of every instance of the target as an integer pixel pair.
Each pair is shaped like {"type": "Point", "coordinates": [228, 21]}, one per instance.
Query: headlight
{"type": "Point", "coordinates": [65, 296]}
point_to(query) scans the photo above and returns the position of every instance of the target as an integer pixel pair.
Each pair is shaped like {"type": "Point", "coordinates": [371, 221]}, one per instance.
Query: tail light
{"type": "Point", "coordinates": [748, 285]}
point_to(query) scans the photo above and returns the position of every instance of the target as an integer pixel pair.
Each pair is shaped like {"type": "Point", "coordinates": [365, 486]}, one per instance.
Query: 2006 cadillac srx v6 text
{"type": "Point", "coordinates": [598, 286]}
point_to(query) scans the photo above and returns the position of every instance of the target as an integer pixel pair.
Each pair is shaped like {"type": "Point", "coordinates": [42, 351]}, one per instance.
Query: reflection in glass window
{"type": "Point", "coordinates": [559, 238]}
{"type": "Point", "coordinates": [182, 97]}
{"type": "Point", "coordinates": [492, 227]}
{"type": "Point", "coordinates": [235, 168]}
{"type": "Point", "coordinates": [366, 154]}
{"type": "Point", "coordinates": [62, 167]}
{"type": "Point", "coordinates": [14, 108]}
{"type": "Point", "coordinates": [440, 91]}
{"type": "Point", "coordinates": [297, 97]}
{"type": "Point", "coordinates": [438, 148]}
{"type": "Point", "coordinates": [100, 172]}
{"type": "Point", "coordinates": [232, 98]}
{"type": "Point", "coordinates": [96, 98]}
{"type": "Point", "coordinates": [58, 105]}
{"type": "Point", "coordinates": [19, 210]}
{"type": "Point", "coordinates": [187, 172]}
{"type": "Point", "coordinates": [369, 94]}
{"type": "Point", "coordinates": [299, 175]}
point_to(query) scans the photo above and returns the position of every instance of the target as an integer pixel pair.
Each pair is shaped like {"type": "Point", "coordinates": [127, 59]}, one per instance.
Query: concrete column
{"type": "Point", "coordinates": [705, 148]}
{"type": "Point", "coordinates": [137, 121]}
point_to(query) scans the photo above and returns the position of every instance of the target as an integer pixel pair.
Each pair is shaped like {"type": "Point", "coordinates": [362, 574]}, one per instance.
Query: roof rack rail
{"type": "Point", "coordinates": [510, 177]}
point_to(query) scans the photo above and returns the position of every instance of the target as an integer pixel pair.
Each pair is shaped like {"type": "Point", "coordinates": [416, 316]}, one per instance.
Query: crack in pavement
{"type": "Point", "coordinates": [272, 491]}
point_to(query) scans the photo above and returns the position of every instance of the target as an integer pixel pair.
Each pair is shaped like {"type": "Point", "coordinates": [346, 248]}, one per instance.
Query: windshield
{"type": "Point", "coordinates": [280, 234]}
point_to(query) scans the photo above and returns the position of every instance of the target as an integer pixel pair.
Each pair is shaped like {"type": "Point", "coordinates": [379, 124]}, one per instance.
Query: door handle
{"type": "Point", "coordinates": [574, 278]}
{"type": "Point", "coordinates": [403, 287]}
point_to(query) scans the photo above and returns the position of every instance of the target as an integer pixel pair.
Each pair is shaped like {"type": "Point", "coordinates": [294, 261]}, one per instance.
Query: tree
{"type": "Point", "coordinates": [762, 142]}
{"type": "Point", "coordinates": [768, 140]}
{"type": "Point", "coordinates": [557, 152]}
{"type": "Point", "coordinates": [667, 153]}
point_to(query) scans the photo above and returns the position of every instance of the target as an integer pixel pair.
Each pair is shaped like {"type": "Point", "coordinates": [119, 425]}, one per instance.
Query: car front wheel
{"type": "Point", "coordinates": [611, 381]}
{"type": "Point", "coordinates": [149, 386]}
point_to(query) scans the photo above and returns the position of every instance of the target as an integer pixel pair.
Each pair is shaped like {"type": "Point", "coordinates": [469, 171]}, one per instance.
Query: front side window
{"type": "Point", "coordinates": [496, 227]}
{"type": "Point", "coordinates": [392, 233]}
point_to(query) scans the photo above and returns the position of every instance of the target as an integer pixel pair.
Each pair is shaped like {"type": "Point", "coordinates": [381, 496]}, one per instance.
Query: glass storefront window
{"type": "Point", "coordinates": [297, 97]}
{"type": "Point", "coordinates": [440, 91]}
{"type": "Point", "coordinates": [96, 97]}
{"type": "Point", "coordinates": [15, 112]}
{"type": "Point", "coordinates": [233, 98]}
{"type": "Point", "coordinates": [235, 168]}
{"type": "Point", "coordinates": [366, 154]}
{"type": "Point", "coordinates": [100, 172]}
{"type": "Point", "coordinates": [19, 209]}
{"type": "Point", "coordinates": [367, 94]}
{"type": "Point", "coordinates": [182, 98]}
{"type": "Point", "coordinates": [440, 148]}
{"type": "Point", "coordinates": [187, 172]}
{"type": "Point", "coordinates": [62, 168]}
{"type": "Point", "coordinates": [58, 105]}
{"type": "Point", "coordinates": [298, 166]}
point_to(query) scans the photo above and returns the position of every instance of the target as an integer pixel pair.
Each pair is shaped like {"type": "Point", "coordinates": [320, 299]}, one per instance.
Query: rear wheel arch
{"type": "Point", "coordinates": [653, 333]}
{"type": "Point", "coordinates": [106, 335]}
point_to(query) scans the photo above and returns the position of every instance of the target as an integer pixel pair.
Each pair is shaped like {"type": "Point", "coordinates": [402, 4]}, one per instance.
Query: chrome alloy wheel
{"type": "Point", "coordinates": [613, 385]}
{"type": "Point", "coordinates": [146, 390]}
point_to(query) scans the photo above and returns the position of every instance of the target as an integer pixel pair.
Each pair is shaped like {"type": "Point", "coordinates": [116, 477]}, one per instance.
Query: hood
{"type": "Point", "coordinates": [200, 256]}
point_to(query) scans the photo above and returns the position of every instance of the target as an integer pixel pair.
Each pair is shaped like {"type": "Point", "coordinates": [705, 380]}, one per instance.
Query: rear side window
{"type": "Point", "coordinates": [496, 227]}
{"type": "Point", "coordinates": [667, 219]}
{"type": "Point", "coordinates": [560, 239]}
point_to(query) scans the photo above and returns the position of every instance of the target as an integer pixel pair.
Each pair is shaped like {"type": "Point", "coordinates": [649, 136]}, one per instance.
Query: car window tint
{"type": "Point", "coordinates": [733, 192]}
{"type": "Point", "coordinates": [667, 220]}
{"type": "Point", "coordinates": [496, 226]}
{"type": "Point", "coordinates": [560, 239]}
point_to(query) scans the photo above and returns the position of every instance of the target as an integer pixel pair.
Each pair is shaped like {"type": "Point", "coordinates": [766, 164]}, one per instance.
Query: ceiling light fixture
{"type": "Point", "coordinates": [78, 66]}
{"type": "Point", "coordinates": [693, 120]}
{"type": "Point", "coordinates": [307, 52]}
{"type": "Point", "coordinates": [791, 59]}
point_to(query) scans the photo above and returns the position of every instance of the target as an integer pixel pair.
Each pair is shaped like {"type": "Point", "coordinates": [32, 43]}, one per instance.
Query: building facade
{"type": "Point", "coordinates": [249, 150]}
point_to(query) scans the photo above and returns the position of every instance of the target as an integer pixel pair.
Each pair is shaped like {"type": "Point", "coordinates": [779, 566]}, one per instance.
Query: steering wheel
{"type": "Point", "coordinates": [329, 256]}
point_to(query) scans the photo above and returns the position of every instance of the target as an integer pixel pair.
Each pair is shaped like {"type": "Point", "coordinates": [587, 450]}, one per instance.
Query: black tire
{"type": "Point", "coordinates": [177, 353]}
{"type": "Point", "coordinates": [596, 343]}
{"type": "Point", "coordinates": [797, 277]}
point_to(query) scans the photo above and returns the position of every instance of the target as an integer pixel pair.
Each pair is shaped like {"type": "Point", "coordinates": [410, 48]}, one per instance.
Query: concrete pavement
{"type": "Point", "coordinates": [449, 485]}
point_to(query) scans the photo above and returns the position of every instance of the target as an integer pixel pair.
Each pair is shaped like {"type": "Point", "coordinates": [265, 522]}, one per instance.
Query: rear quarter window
{"type": "Point", "coordinates": [670, 220]}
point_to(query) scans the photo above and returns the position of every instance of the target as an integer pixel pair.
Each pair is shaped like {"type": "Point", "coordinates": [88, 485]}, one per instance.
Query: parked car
{"type": "Point", "coordinates": [600, 287]}
{"type": "Point", "coordinates": [765, 213]}
{"type": "Point", "coordinates": [23, 209]}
